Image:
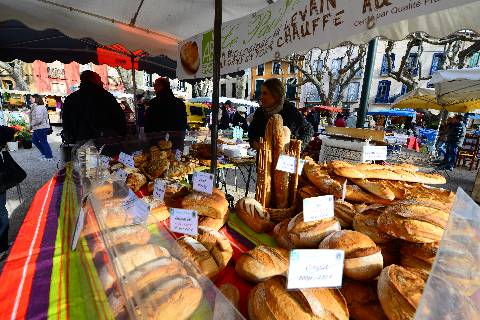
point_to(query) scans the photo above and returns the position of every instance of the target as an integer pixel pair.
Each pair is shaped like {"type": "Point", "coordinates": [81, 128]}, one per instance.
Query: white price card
{"type": "Point", "coordinates": [178, 155]}
{"type": "Point", "coordinates": [120, 174]}
{"type": "Point", "coordinates": [374, 153]}
{"type": "Point", "coordinates": [126, 159]}
{"type": "Point", "coordinates": [92, 161]}
{"type": "Point", "coordinates": [105, 161]}
{"type": "Point", "coordinates": [184, 221]}
{"type": "Point", "coordinates": [318, 208]}
{"type": "Point", "coordinates": [289, 164]}
{"type": "Point", "coordinates": [203, 182]}
{"type": "Point", "coordinates": [136, 208]}
{"type": "Point", "coordinates": [315, 268]}
{"type": "Point", "coordinates": [78, 228]}
{"type": "Point", "coordinates": [159, 188]}
{"type": "Point", "coordinates": [137, 153]}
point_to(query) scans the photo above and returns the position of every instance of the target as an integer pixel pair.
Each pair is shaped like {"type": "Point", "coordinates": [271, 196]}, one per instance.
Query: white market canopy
{"type": "Point", "coordinates": [155, 26]}
{"type": "Point", "coordinates": [457, 84]}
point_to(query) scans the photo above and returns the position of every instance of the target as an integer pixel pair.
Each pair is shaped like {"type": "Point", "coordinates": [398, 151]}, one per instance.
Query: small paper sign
{"type": "Point", "coordinates": [136, 208]}
{"type": "Point", "coordinates": [344, 190]}
{"type": "Point", "coordinates": [374, 153]}
{"type": "Point", "coordinates": [105, 161]}
{"type": "Point", "coordinates": [120, 174]}
{"type": "Point", "coordinates": [126, 159]}
{"type": "Point", "coordinates": [178, 155]}
{"type": "Point", "coordinates": [315, 268]}
{"type": "Point", "coordinates": [184, 221]}
{"type": "Point", "coordinates": [137, 153]}
{"type": "Point", "coordinates": [318, 208]}
{"type": "Point", "coordinates": [92, 161]}
{"type": "Point", "coordinates": [78, 228]}
{"type": "Point", "coordinates": [159, 189]}
{"type": "Point", "coordinates": [289, 164]}
{"type": "Point", "coordinates": [203, 182]}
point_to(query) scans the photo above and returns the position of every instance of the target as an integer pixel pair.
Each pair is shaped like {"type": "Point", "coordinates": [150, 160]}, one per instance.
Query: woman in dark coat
{"type": "Point", "coordinates": [272, 101]}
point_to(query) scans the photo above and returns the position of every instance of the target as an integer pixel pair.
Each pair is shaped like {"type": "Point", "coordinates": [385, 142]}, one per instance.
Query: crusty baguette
{"type": "Point", "coordinates": [356, 194]}
{"type": "Point", "coordinates": [320, 178]}
{"type": "Point", "coordinates": [375, 188]}
{"type": "Point", "coordinates": [281, 178]}
{"type": "Point", "coordinates": [268, 162]}
{"type": "Point", "coordinates": [262, 263]}
{"type": "Point", "coordinates": [427, 210]}
{"type": "Point", "coordinates": [366, 223]}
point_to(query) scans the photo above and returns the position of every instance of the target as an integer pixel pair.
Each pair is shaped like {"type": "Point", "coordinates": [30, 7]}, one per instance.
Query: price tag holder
{"type": "Point", "coordinates": [159, 188]}
{"type": "Point", "coordinates": [178, 155]}
{"type": "Point", "coordinates": [78, 228]}
{"type": "Point", "coordinates": [120, 174]}
{"type": "Point", "coordinates": [289, 164]}
{"type": "Point", "coordinates": [318, 208]}
{"type": "Point", "coordinates": [315, 268]}
{"type": "Point", "coordinates": [374, 153]}
{"type": "Point", "coordinates": [126, 159]}
{"type": "Point", "coordinates": [184, 221]}
{"type": "Point", "coordinates": [203, 182]}
{"type": "Point", "coordinates": [136, 208]}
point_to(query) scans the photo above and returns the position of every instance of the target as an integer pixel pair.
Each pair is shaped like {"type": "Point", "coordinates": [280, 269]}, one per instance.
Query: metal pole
{"type": "Point", "coordinates": [367, 83]}
{"type": "Point", "coordinates": [134, 86]}
{"type": "Point", "coordinates": [217, 32]}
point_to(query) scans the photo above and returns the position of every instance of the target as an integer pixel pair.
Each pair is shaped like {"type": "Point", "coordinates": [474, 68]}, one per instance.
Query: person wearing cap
{"type": "Point", "coordinates": [165, 112]}
{"type": "Point", "coordinates": [231, 118]}
{"type": "Point", "coordinates": [91, 112]}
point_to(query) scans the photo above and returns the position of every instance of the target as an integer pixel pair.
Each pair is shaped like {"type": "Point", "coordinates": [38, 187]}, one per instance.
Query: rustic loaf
{"type": "Point", "coordinates": [362, 300]}
{"type": "Point", "coordinates": [375, 188]}
{"type": "Point", "coordinates": [418, 255]}
{"type": "Point", "coordinates": [310, 234]}
{"type": "Point", "coordinates": [280, 234]}
{"type": "Point", "coordinates": [211, 205]}
{"type": "Point", "coordinates": [253, 214]}
{"type": "Point", "coordinates": [427, 210]}
{"type": "Point", "coordinates": [213, 223]}
{"type": "Point", "coordinates": [200, 255]}
{"type": "Point", "coordinates": [366, 223]}
{"type": "Point", "coordinates": [344, 212]}
{"type": "Point", "coordinates": [217, 244]}
{"type": "Point", "coordinates": [262, 263]}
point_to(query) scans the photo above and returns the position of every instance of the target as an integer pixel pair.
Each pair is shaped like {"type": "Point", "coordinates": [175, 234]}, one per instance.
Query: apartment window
{"type": "Point", "coordinates": [336, 94]}
{"type": "Point", "coordinates": [474, 60]}
{"type": "Point", "coordinates": [291, 68]}
{"type": "Point", "coordinates": [336, 65]}
{"type": "Point", "coordinates": [258, 89]}
{"type": "Point", "coordinates": [384, 69]}
{"type": "Point", "coordinates": [276, 67]}
{"type": "Point", "coordinates": [260, 69]}
{"type": "Point", "coordinates": [359, 73]}
{"type": "Point", "coordinates": [437, 60]}
{"type": "Point", "coordinates": [404, 89]}
{"type": "Point", "coordinates": [411, 66]}
{"type": "Point", "coordinates": [383, 91]}
{"type": "Point", "coordinates": [353, 91]}
{"type": "Point", "coordinates": [318, 65]}
{"type": "Point", "coordinates": [234, 90]}
{"type": "Point", "coordinates": [291, 88]}
{"type": "Point", "coordinates": [223, 90]}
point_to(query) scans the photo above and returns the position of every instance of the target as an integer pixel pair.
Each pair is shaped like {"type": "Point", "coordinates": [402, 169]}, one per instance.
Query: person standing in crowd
{"type": "Point", "coordinates": [455, 137]}
{"type": "Point", "coordinates": [92, 112]}
{"type": "Point", "coordinates": [40, 125]}
{"type": "Point", "coordinates": [141, 110]}
{"type": "Point", "coordinates": [313, 118]}
{"type": "Point", "coordinates": [352, 120]}
{"type": "Point", "coordinates": [6, 135]}
{"type": "Point", "coordinates": [272, 102]}
{"type": "Point", "coordinates": [340, 121]}
{"type": "Point", "coordinates": [165, 112]}
{"type": "Point", "coordinates": [232, 118]}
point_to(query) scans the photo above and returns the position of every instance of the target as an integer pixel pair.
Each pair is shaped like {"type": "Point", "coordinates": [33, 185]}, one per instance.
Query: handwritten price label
{"type": "Point", "coordinates": [289, 164]}
{"type": "Point", "coordinates": [317, 208]}
{"type": "Point", "coordinates": [315, 268]}
{"type": "Point", "coordinates": [203, 182]}
{"type": "Point", "coordinates": [374, 153]}
{"type": "Point", "coordinates": [184, 221]}
{"type": "Point", "coordinates": [159, 188]}
{"type": "Point", "coordinates": [136, 208]}
{"type": "Point", "coordinates": [126, 159]}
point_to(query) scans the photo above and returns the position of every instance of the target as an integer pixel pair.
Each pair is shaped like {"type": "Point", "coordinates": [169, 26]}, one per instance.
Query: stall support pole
{"type": "Point", "coordinates": [216, 81]}
{"type": "Point", "coordinates": [134, 87]}
{"type": "Point", "coordinates": [367, 82]}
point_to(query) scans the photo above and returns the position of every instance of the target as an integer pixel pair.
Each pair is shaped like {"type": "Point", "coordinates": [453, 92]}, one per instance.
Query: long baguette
{"type": "Point", "coordinates": [281, 178]}
{"type": "Point", "coordinates": [391, 174]}
{"type": "Point", "coordinates": [355, 194]}
{"type": "Point", "coordinates": [375, 188]}
{"type": "Point", "coordinates": [268, 162]}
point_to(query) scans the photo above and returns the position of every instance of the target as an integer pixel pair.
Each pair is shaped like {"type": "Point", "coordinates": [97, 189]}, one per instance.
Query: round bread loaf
{"type": "Point", "coordinates": [418, 255]}
{"type": "Point", "coordinates": [262, 263]}
{"type": "Point", "coordinates": [366, 223]}
{"type": "Point", "coordinates": [211, 205]}
{"type": "Point", "coordinates": [310, 234]}
{"type": "Point", "coordinates": [280, 235]}
{"type": "Point", "coordinates": [399, 291]}
{"type": "Point", "coordinates": [252, 213]}
{"type": "Point", "coordinates": [363, 259]}
{"type": "Point", "coordinates": [271, 300]}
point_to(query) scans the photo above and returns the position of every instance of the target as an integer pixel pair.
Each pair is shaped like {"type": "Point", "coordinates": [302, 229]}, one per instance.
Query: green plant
{"type": "Point", "coordinates": [23, 135]}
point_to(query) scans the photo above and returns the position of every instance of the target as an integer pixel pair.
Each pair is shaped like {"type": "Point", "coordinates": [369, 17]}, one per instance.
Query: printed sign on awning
{"type": "Point", "coordinates": [289, 26]}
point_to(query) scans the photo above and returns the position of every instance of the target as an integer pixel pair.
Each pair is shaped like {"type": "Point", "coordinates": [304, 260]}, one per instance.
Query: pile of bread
{"type": "Point", "coordinates": [389, 226]}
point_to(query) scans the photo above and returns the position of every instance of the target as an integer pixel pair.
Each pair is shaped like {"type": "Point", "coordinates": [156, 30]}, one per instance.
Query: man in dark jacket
{"type": "Point", "coordinates": [231, 118]}
{"type": "Point", "coordinates": [455, 137]}
{"type": "Point", "coordinates": [165, 112]}
{"type": "Point", "coordinates": [313, 117]}
{"type": "Point", "coordinates": [92, 112]}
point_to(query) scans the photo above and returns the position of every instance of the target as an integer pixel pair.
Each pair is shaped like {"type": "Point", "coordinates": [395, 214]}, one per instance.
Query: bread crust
{"type": "Point", "coordinates": [217, 244]}
{"type": "Point", "coordinates": [211, 205]}
{"type": "Point", "coordinates": [212, 223]}
{"type": "Point", "coordinates": [310, 234]}
{"type": "Point", "coordinates": [345, 213]}
{"type": "Point", "coordinates": [200, 255]}
{"type": "Point", "coordinates": [254, 215]}
{"type": "Point", "coordinates": [366, 223]}
{"type": "Point", "coordinates": [262, 263]}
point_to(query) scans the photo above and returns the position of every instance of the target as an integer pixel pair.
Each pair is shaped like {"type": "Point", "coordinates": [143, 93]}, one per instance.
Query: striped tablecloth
{"type": "Point", "coordinates": [44, 279]}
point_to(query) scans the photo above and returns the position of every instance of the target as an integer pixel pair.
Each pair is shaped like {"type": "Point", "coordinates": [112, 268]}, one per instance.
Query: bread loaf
{"type": "Point", "coordinates": [399, 291]}
{"type": "Point", "coordinates": [310, 234]}
{"type": "Point", "coordinates": [356, 194]}
{"type": "Point", "coordinates": [262, 263]}
{"type": "Point", "coordinates": [268, 138]}
{"type": "Point", "coordinates": [211, 205]}
{"type": "Point", "coordinates": [418, 255]}
{"type": "Point", "coordinates": [375, 188]}
{"type": "Point", "coordinates": [217, 244]}
{"type": "Point", "coordinates": [231, 293]}
{"type": "Point", "coordinates": [344, 212]}
{"type": "Point", "coordinates": [138, 255]}
{"type": "Point", "coordinates": [253, 214]}
{"type": "Point", "coordinates": [270, 300]}
{"type": "Point", "coordinates": [320, 178]}
{"type": "Point", "coordinates": [309, 191]}
{"type": "Point", "coordinates": [362, 300]}
{"type": "Point", "coordinates": [431, 211]}
{"type": "Point", "coordinates": [280, 234]}
{"type": "Point", "coordinates": [132, 235]}
{"type": "Point", "coordinates": [409, 229]}
{"type": "Point", "coordinates": [366, 223]}
{"type": "Point", "coordinates": [175, 298]}
{"type": "Point", "coordinates": [200, 255]}
{"type": "Point", "coordinates": [280, 178]}
{"type": "Point", "coordinates": [390, 252]}
{"type": "Point", "coordinates": [158, 210]}
{"type": "Point", "coordinates": [103, 191]}
{"type": "Point", "coordinates": [212, 223]}
{"type": "Point", "coordinates": [363, 259]}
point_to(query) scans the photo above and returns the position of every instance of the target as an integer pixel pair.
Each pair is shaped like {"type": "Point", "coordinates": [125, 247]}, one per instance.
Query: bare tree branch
{"type": "Point", "coordinates": [14, 69]}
